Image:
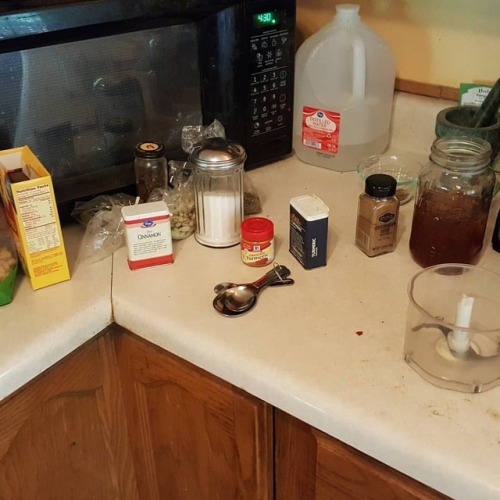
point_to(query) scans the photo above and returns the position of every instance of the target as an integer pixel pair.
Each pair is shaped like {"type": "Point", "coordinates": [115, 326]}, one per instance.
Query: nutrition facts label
{"type": "Point", "coordinates": [38, 215]}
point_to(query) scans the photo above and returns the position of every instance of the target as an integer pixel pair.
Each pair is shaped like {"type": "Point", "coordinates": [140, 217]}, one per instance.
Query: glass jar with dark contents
{"type": "Point", "coordinates": [452, 202]}
{"type": "Point", "coordinates": [150, 168]}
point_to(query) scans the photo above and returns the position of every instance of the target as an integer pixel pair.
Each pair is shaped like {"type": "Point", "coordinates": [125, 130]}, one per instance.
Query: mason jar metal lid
{"type": "Point", "coordinates": [217, 153]}
{"type": "Point", "coordinates": [149, 149]}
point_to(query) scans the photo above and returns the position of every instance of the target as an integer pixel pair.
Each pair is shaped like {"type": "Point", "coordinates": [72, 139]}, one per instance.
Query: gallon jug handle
{"type": "Point", "coordinates": [359, 68]}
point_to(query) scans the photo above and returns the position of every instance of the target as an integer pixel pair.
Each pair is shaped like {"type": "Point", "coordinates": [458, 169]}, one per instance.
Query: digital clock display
{"type": "Point", "coordinates": [266, 19]}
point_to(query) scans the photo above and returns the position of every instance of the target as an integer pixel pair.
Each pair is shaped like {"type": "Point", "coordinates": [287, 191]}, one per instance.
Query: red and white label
{"type": "Point", "coordinates": [320, 130]}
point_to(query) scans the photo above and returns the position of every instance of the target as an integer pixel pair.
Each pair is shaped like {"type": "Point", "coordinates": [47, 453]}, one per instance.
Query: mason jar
{"type": "Point", "coordinates": [452, 202]}
{"type": "Point", "coordinates": [150, 166]}
{"type": "Point", "coordinates": [218, 186]}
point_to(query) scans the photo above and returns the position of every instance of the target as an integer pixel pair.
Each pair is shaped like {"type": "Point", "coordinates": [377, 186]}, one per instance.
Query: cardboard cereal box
{"type": "Point", "coordinates": [28, 195]}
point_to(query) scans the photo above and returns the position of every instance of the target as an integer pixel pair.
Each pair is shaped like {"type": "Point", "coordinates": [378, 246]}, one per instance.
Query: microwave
{"type": "Point", "coordinates": [84, 81]}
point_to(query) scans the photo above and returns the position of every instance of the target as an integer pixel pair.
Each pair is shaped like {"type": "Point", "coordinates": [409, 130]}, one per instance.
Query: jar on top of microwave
{"type": "Point", "coordinates": [452, 203]}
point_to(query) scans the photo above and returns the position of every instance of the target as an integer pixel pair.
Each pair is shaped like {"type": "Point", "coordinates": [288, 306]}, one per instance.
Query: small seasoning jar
{"type": "Point", "coordinates": [218, 185]}
{"type": "Point", "coordinates": [150, 167]}
{"type": "Point", "coordinates": [257, 241]}
{"type": "Point", "coordinates": [378, 211]}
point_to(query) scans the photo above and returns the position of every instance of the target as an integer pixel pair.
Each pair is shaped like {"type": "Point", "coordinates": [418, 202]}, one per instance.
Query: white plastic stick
{"type": "Point", "coordinates": [458, 339]}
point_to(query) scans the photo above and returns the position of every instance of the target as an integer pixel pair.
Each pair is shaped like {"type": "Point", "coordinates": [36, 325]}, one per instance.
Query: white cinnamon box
{"type": "Point", "coordinates": [148, 234]}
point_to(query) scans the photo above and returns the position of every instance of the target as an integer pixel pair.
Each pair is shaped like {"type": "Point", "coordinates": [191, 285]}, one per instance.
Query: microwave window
{"type": "Point", "coordinates": [83, 106]}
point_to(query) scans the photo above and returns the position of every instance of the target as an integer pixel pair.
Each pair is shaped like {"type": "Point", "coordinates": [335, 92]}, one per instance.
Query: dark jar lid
{"type": "Point", "coordinates": [380, 185]}
{"type": "Point", "coordinates": [149, 149]}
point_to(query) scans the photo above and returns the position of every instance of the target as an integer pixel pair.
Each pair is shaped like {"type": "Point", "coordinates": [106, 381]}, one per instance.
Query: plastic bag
{"type": "Point", "coordinates": [105, 231]}
{"type": "Point", "coordinates": [193, 134]}
{"type": "Point", "coordinates": [8, 261]}
{"type": "Point", "coordinates": [179, 199]}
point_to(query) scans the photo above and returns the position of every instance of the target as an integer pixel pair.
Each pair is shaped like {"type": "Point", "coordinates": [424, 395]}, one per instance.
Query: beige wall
{"type": "Point", "coordinates": [442, 42]}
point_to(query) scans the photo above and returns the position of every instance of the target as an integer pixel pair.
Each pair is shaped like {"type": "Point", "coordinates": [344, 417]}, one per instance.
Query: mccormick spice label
{"type": "Point", "coordinates": [321, 130]}
{"type": "Point", "coordinates": [309, 230]}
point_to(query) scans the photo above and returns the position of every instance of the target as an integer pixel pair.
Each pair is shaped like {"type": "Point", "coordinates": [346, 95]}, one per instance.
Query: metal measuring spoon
{"type": "Point", "coordinates": [277, 273]}
{"type": "Point", "coordinates": [221, 305]}
{"type": "Point", "coordinates": [221, 287]}
{"type": "Point", "coordinates": [241, 298]}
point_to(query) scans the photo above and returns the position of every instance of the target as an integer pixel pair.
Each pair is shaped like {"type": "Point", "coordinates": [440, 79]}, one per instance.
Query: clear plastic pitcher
{"type": "Point", "coordinates": [344, 88]}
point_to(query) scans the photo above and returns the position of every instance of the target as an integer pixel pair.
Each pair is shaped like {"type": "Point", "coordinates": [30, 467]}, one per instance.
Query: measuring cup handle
{"type": "Point", "coordinates": [278, 273]}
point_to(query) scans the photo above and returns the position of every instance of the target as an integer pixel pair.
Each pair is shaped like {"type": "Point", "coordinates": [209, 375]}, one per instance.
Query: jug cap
{"type": "Point", "coordinates": [216, 153]}
{"type": "Point", "coordinates": [347, 12]}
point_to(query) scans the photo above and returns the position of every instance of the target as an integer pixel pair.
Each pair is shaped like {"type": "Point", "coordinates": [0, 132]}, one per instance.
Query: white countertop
{"type": "Point", "coordinates": [299, 349]}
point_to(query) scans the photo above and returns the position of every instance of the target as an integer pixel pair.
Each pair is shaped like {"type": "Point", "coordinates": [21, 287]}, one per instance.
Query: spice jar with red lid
{"type": "Point", "coordinates": [257, 241]}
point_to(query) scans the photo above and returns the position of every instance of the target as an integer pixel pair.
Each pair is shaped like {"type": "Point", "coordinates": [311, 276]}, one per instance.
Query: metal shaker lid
{"type": "Point", "coordinates": [217, 153]}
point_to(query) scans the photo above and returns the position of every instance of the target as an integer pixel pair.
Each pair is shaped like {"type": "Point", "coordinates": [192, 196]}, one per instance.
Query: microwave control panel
{"type": "Point", "coordinates": [271, 50]}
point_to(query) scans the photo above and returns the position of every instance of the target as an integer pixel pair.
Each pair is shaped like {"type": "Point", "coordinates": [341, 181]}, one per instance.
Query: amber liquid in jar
{"type": "Point", "coordinates": [448, 228]}
{"type": "Point", "coordinates": [453, 199]}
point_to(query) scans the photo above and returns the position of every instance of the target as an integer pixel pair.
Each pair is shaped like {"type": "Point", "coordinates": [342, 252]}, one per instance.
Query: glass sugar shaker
{"type": "Point", "coordinates": [218, 185]}
{"type": "Point", "coordinates": [150, 167]}
{"type": "Point", "coordinates": [452, 203]}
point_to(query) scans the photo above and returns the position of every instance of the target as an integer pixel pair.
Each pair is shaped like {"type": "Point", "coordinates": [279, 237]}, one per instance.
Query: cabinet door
{"type": "Point", "coordinates": [194, 435]}
{"type": "Point", "coordinates": [312, 465]}
{"type": "Point", "coordinates": [63, 435]}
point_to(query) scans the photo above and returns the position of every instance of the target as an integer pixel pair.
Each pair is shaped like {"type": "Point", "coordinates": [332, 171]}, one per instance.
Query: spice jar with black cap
{"type": "Point", "coordinates": [378, 211]}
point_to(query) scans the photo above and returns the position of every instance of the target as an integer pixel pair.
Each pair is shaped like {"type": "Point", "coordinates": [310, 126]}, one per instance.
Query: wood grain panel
{"type": "Point", "coordinates": [428, 89]}
{"type": "Point", "coordinates": [312, 465]}
{"type": "Point", "coordinates": [63, 436]}
{"type": "Point", "coordinates": [195, 436]}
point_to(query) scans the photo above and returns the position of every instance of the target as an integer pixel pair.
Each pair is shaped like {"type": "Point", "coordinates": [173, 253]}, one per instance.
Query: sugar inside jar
{"type": "Point", "coordinates": [257, 241]}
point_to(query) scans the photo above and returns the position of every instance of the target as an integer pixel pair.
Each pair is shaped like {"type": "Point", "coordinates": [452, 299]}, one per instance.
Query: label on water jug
{"type": "Point", "coordinates": [320, 129]}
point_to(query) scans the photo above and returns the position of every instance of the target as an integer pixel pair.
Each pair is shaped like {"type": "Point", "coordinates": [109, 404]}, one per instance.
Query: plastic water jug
{"type": "Point", "coordinates": [344, 88]}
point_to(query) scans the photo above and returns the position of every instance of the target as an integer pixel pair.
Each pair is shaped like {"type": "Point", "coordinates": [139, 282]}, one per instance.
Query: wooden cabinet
{"type": "Point", "coordinates": [194, 436]}
{"type": "Point", "coordinates": [123, 419]}
{"type": "Point", "coordinates": [312, 465]}
{"type": "Point", "coordinates": [63, 435]}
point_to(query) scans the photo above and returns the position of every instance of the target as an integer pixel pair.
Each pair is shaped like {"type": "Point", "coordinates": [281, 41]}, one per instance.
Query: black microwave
{"type": "Point", "coordinates": [84, 81]}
